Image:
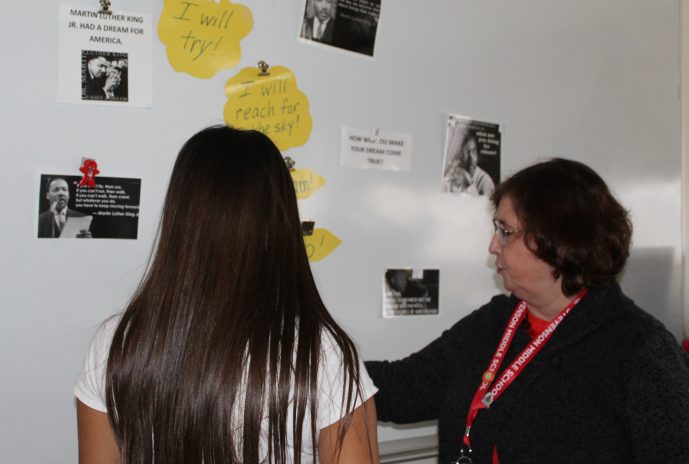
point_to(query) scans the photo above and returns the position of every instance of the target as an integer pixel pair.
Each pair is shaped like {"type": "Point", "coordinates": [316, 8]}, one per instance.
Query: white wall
{"type": "Point", "coordinates": [595, 80]}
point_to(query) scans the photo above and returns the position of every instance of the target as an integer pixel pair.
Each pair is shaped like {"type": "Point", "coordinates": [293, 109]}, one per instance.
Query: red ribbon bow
{"type": "Point", "coordinates": [89, 169]}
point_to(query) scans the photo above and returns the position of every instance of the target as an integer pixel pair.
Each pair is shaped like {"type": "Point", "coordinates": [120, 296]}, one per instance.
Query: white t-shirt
{"type": "Point", "coordinates": [90, 387]}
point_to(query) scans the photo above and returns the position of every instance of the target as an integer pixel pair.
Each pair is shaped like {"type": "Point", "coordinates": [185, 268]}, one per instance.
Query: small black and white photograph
{"type": "Point", "coordinates": [410, 292]}
{"type": "Point", "coordinates": [472, 157]}
{"type": "Point", "coordinates": [67, 209]}
{"type": "Point", "coordinates": [104, 76]}
{"type": "Point", "coordinates": [345, 24]}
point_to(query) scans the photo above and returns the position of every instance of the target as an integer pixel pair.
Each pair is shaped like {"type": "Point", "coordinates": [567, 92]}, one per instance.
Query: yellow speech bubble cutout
{"type": "Point", "coordinates": [270, 103]}
{"type": "Point", "coordinates": [306, 182]}
{"type": "Point", "coordinates": [320, 244]}
{"type": "Point", "coordinates": [202, 36]}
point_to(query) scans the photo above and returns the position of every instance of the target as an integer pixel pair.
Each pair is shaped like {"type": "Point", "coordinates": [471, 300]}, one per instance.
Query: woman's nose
{"type": "Point", "coordinates": [494, 245]}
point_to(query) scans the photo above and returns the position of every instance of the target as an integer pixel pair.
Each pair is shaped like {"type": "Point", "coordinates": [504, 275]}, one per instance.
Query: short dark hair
{"type": "Point", "coordinates": [570, 220]}
{"type": "Point", "coordinates": [49, 180]}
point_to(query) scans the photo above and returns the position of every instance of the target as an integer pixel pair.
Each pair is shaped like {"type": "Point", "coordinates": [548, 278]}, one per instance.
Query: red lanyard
{"type": "Point", "coordinates": [484, 398]}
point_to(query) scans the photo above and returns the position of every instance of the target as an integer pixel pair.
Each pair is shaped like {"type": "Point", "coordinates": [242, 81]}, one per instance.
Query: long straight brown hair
{"type": "Point", "coordinates": [227, 320]}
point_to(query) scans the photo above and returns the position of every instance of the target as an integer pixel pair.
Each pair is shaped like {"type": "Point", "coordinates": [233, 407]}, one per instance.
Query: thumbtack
{"type": "Point", "coordinates": [105, 7]}
{"type": "Point", "coordinates": [307, 227]}
{"type": "Point", "coordinates": [263, 67]}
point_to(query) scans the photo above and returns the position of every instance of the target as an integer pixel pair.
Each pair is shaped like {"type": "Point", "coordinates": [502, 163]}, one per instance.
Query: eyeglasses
{"type": "Point", "coordinates": [504, 235]}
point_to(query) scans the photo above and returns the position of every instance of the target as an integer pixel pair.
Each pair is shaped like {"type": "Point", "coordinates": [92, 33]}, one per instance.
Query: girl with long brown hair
{"type": "Point", "coordinates": [226, 352]}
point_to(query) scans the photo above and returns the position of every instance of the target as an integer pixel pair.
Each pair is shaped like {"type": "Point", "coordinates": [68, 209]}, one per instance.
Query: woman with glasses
{"type": "Point", "coordinates": [566, 369]}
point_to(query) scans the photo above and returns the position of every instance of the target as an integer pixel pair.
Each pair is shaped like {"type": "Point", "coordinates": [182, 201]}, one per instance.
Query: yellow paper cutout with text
{"type": "Point", "coordinates": [202, 36]}
{"type": "Point", "coordinates": [271, 104]}
{"type": "Point", "coordinates": [306, 182]}
{"type": "Point", "coordinates": [320, 244]}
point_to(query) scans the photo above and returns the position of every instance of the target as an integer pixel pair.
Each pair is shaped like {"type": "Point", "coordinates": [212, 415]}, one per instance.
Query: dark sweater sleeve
{"type": "Point", "coordinates": [413, 389]}
{"type": "Point", "coordinates": [658, 401]}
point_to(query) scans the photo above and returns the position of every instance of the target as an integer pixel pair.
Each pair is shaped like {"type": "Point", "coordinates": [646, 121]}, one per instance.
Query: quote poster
{"type": "Point", "coordinates": [349, 25]}
{"type": "Point", "coordinates": [364, 149]}
{"type": "Point", "coordinates": [410, 292]}
{"type": "Point", "coordinates": [472, 156]}
{"type": "Point", "coordinates": [270, 102]}
{"type": "Point", "coordinates": [203, 37]}
{"type": "Point", "coordinates": [110, 209]}
{"type": "Point", "coordinates": [104, 59]}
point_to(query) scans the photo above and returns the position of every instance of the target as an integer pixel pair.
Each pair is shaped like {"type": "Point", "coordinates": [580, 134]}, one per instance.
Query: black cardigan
{"type": "Point", "coordinates": [611, 386]}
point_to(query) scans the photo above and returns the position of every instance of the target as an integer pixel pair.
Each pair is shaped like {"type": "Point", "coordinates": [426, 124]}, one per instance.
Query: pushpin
{"type": "Point", "coordinates": [263, 67]}
{"type": "Point", "coordinates": [307, 227]}
{"type": "Point", "coordinates": [89, 168]}
{"type": "Point", "coordinates": [290, 163]}
{"type": "Point", "coordinates": [105, 7]}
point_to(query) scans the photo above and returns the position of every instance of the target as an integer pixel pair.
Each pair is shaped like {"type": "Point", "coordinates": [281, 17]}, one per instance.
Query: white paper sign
{"type": "Point", "coordinates": [104, 59]}
{"type": "Point", "coordinates": [372, 149]}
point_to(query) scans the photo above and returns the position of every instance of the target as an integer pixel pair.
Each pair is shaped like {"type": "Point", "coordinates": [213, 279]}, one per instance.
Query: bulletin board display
{"type": "Point", "coordinates": [373, 119]}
